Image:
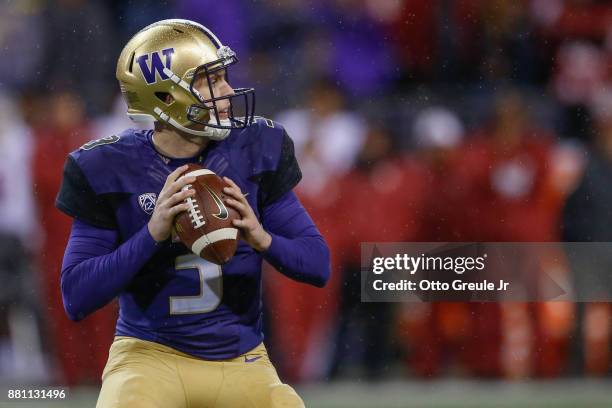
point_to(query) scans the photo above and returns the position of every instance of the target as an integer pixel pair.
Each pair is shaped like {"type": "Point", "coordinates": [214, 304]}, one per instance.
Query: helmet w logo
{"type": "Point", "coordinates": [155, 65]}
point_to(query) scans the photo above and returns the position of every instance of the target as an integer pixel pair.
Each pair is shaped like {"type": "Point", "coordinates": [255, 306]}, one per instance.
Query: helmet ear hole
{"type": "Point", "coordinates": [165, 97]}
{"type": "Point", "coordinates": [131, 64]}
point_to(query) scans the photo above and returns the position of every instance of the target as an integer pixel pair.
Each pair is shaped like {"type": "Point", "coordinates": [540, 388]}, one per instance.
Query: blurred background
{"type": "Point", "coordinates": [468, 120]}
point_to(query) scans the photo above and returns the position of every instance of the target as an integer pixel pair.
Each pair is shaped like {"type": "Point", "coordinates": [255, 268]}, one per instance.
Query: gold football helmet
{"type": "Point", "coordinates": [164, 59]}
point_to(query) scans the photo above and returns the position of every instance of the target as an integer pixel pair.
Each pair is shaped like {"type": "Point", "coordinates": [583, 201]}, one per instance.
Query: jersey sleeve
{"type": "Point", "coordinates": [77, 199]}
{"type": "Point", "coordinates": [287, 174]}
{"type": "Point", "coordinates": [96, 268]}
{"type": "Point", "coordinates": [297, 250]}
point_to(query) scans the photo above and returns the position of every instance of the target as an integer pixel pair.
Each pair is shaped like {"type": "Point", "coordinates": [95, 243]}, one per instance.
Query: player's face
{"type": "Point", "coordinates": [220, 87]}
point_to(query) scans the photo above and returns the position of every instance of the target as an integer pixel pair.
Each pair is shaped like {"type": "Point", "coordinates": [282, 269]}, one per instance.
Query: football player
{"type": "Point", "coordinates": [189, 332]}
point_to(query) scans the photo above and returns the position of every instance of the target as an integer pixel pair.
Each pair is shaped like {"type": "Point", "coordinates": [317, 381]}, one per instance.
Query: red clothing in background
{"type": "Point", "coordinates": [80, 348]}
{"type": "Point", "coordinates": [508, 190]}
{"type": "Point", "coordinates": [303, 316]}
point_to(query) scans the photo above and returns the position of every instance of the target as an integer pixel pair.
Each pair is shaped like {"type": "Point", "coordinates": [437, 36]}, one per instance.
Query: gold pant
{"type": "Point", "coordinates": [145, 374]}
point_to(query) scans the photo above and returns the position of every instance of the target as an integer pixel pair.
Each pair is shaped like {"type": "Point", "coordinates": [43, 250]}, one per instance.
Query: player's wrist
{"type": "Point", "coordinates": [155, 234]}
{"type": "Point", "coordinates": [262, 244]}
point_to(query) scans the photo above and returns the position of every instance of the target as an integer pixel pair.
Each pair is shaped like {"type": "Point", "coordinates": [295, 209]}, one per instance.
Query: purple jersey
{"type": "Point", "coordinates": [177, 298]}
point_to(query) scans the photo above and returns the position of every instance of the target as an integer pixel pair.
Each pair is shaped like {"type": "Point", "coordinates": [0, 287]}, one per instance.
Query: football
{"type": "Point", "coordinates": [206, 227]}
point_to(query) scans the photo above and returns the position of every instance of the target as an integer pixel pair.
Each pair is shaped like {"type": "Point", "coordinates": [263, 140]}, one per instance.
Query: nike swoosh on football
{"type": "Point", "coordinates": [250, 360]}
{"type": "Point", "coordinates": [223, 213]}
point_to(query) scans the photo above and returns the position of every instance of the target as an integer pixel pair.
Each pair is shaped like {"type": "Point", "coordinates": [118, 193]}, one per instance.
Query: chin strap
{"type": "Point", "coordinates": [209, 132]}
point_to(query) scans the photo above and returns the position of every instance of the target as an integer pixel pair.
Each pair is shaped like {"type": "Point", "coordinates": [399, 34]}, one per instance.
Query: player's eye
{"type": "Point", "coordinates": [220, 76]}
{"type": "Point", "coordinates": [199, 81]}
{"type": "Point", "coordinates": [216, 78]}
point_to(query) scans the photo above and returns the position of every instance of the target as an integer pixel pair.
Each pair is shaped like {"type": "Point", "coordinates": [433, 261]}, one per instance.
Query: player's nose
{"type": "Point", "coordinates": [226, 88]}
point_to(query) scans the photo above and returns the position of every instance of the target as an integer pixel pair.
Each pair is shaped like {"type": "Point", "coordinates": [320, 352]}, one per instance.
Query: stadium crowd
{"type": "Point", "coordinates": [468, 120]}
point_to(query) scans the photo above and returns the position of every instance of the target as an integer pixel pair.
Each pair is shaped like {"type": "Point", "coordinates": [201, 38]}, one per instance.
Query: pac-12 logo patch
{"type": "Point", "coordinates": [147, 202]}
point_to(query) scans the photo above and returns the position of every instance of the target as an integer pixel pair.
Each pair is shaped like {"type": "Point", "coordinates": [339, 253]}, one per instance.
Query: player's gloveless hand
{"type": "Point", "coordinates": [252, 231]}
{"type": "Point", "coordinates": [170, 202]}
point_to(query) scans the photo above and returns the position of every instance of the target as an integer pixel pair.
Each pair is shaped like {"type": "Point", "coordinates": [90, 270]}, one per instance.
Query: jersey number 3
{"type": "Point", "coordinates": [211, 287]}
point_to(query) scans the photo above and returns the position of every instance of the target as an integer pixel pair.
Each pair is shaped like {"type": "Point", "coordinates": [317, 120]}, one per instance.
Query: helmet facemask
{"type": "Point", "coordinates": [241, 109]}
{"type": "Point", "coordinates": [206, 112]}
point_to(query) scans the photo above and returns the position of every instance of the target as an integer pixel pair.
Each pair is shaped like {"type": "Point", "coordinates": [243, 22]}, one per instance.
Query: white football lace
{"type": "Point", "coordinates": [197, 219]}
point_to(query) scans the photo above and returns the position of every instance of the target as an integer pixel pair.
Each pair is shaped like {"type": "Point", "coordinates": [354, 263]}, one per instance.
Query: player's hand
{"type": "Point", "coordinates": [252, 231]}
{"type": "Point", "coordinates": [170, 202]}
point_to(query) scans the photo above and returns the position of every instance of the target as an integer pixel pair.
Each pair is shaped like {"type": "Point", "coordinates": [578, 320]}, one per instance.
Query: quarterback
{"type": "Point", "coordinates": [189, 332]}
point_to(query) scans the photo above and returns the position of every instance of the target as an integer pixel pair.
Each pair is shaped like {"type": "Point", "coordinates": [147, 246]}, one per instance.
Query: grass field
{"type": "Point", "coordinates": [438, 394]}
